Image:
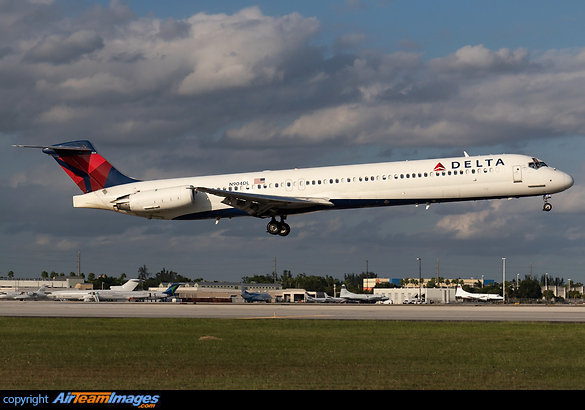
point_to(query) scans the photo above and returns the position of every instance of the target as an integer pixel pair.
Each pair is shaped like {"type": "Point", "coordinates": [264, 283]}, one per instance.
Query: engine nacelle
{"type": "Point", "coordinates": [154, 200]}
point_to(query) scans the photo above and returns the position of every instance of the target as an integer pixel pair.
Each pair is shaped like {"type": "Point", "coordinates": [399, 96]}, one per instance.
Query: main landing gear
{"type": "Point", "coordinates": [275, 227]}
{"type": "Point", "coordinates": [547, 205]}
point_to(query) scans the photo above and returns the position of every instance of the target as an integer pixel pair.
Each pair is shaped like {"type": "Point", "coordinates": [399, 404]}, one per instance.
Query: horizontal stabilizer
{"type": "Point", "coordinates": [88, 169]}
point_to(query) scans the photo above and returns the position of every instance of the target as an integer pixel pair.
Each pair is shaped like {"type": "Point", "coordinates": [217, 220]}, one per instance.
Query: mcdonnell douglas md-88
{"type": "Point", "coordinates": [277, 194]}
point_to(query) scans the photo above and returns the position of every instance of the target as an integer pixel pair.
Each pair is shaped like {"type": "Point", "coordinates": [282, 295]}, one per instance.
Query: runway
{"type": "Point", "coordinates": [317, 311]}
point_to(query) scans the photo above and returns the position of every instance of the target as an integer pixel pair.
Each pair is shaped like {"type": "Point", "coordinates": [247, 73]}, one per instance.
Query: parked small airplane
{"type": "Point", "coordinates": [460, 293]}
{"type": "Point", "coordinates": [325, 299]}
{"type": "Point", "coordinates": [24, 295]}
{"type": "Point", "coordinates": [360, 297]}
{"type": "Point", "coordinates": [255, 297]}
{"type": "Point", "coordinates": [277, 194]}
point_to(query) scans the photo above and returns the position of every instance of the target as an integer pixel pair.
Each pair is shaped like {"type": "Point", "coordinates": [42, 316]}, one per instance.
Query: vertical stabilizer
{"type": "Point", "coordinates": [88, 169]}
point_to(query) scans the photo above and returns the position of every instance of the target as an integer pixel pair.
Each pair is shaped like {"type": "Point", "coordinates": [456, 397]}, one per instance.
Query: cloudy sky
{"type": "Point", "coordinates": [184, 88]}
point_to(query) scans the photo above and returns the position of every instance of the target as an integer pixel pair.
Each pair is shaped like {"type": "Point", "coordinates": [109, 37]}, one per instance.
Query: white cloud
{"type": "Point", "coordinates": [476, 224]}
{"type": "Point", "coordinates": [240, 50]}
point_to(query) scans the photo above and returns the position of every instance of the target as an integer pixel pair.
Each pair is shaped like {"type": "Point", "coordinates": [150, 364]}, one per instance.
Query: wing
{"type": "Point", "coordinates": [265, 205]}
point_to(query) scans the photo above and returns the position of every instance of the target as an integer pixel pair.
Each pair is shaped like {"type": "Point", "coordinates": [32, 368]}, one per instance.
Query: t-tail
{"type": "Point", "coordinates": [88, 169]}
{"type": "Point", "coordinates": [171, 291]}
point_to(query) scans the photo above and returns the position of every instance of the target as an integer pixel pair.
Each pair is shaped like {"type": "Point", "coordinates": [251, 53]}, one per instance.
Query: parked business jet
{"type": "Point", "coordinates": [360, 297]}
{"type": "Point", "coordinates": [16, 295]}
{"type": "Point", "coordinates": [277, 194]}
{"type": "Point", "coordinates": [460, 293]}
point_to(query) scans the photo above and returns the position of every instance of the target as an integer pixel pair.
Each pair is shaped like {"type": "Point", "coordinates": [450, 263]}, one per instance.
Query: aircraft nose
{"type": "Point", "coordinates": [569, 181]}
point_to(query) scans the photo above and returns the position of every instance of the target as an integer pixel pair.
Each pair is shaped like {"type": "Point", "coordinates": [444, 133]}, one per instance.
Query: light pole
{"type": "Point", "coordinates": [504, 279]}
{"type": "Point", "coordinates": [419, 280]}
{"type": "Point", "coordinates": [568, 289]}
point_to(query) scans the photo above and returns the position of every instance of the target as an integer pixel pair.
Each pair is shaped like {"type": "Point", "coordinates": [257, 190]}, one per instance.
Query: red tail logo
{"type": "Point", "coordinates": [439, 167]}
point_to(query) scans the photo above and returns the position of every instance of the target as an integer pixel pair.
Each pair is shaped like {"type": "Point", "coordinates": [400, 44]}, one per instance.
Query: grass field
{"type": "Point", "coordinates": [72, 353]}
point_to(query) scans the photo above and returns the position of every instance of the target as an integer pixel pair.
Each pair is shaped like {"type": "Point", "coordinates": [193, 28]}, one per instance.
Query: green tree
{"type": "Point", "coordinates": [529, 289]}
{"type": "Point", "coordinates": [143, 273]}
{"type": "Point", "coordinates": [258, 279]}
{"type": "Point", "coordinates": [548, 294]}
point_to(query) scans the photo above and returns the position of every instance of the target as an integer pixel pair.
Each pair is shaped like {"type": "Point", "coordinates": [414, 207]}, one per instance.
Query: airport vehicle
{"type": "Point", "coordinates": [16, 295]}
{"type": "Point", "coordinates": [414, 300]}
{"type": "Point", "coordinates": [486, 297]}
{"type": "Point", "coordinates": [360, 297]}
{"type": "Point", "coordinates": [255, 297]}
{"type": "Point", "coordinates": [278, 194]}
{"type": "Point", "coordinates": [89, 295]}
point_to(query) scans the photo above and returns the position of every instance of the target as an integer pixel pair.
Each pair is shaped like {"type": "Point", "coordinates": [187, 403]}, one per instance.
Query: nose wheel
{"type": "Point", "coordinates": [547, 205]}
{"type": "Point", "coordinates": [275, 227]}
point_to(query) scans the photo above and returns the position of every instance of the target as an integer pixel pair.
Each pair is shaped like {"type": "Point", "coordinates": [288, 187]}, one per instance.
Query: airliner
{"type": "Point", "coordinates": [89, 295]}
{"type": "Point", "coordinates": [115, 293]}
{"type": "Point", "coordinates": [278, 194]}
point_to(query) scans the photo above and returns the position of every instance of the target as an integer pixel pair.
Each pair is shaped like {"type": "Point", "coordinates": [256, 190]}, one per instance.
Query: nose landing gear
{"type": "Point", "coordinates": [275, 227]}
{"type": "Point", "coordinates": [547, 205]}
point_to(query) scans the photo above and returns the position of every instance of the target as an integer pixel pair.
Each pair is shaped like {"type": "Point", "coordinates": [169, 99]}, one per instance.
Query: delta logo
{"type": "Point", "coordinates": [478, 163]}
{"type": "Point", "coordinates": [142, 401]}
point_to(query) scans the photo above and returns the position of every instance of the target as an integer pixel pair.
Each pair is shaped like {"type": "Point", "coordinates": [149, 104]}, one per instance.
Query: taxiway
{"type": "Point", "coordinates": [459, 312]}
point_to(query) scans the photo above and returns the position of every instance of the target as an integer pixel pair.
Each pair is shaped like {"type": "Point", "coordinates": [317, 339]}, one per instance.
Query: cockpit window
{"type": "Point", "coordinates": [536, 163]}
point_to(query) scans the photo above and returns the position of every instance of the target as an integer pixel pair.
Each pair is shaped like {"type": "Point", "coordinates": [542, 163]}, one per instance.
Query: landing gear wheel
{"type": "Point", "coordinates": [273, 227]}
{"type": "Point", "coordinates": [284, 229]}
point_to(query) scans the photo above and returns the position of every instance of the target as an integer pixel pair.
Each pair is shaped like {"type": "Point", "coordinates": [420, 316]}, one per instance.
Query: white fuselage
{"type": "Point", "coordinates": [104, 295]}
{"type": "Point", "coordinates": [343, 187]}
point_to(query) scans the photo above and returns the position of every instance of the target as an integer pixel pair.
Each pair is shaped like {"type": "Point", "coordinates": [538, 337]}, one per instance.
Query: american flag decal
{"type": "Point", "coordinates": [259, 180]}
